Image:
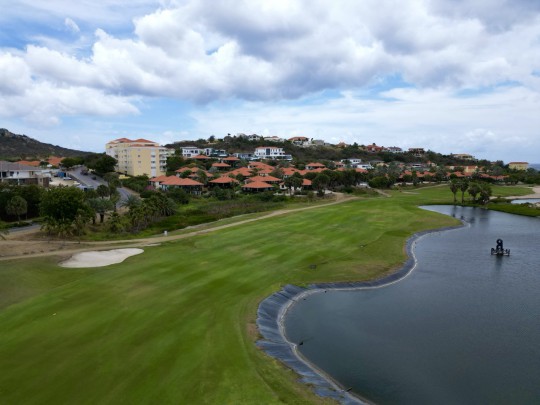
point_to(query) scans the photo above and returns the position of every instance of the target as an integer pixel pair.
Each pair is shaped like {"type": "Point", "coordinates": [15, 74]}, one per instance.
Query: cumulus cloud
{"type": "Point", "coordinates": [264, 50]}
{"type": "Point", "coordinates": [253, 51]}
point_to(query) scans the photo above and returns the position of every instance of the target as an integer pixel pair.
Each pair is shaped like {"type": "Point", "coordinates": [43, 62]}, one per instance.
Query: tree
{"type": "Point", "coordinates": [69, 162]}
{"type": "Point", "coordinates": [131, 202]}
{"type": "Point", "coordinates": [59, 208]}
{"type": "Point", "coordinates": [485, 193]}
{"type": "Point", "coordinates": [320, 182]}
{"type": "Point", "coordinates": [179, 195]}
{"type": "Point", "coordinates": [474, 190]}
{"type": "Point", "coordinates": [112, 179]}
{"type": "Point", "coordinates": [100, 206]}
{"type": "Point", "coordinates": [102, 191]}
{"type": "Point", "coordinates": [454, 187]}
{"type": "Point", "coordinates": [84, 215]}
{"type": "Point", "coordinates": [174, 163]}
{"type": "Point", "coordinates": [101, 164]}
{"type": "Point", "coordinates": [17, 206]}
{"type": "Point", "coordinates": [116, 223]}
{"type": "Point", "coordinates": [463, 186]}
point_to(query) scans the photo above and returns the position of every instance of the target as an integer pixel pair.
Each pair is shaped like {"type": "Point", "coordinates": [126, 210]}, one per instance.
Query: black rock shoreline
{"type": "Point", "coordinates": [273, 309]}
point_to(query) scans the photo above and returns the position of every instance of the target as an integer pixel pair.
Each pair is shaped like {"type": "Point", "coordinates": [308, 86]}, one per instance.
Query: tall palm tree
{"type": "Point", "coordinates": [454, 187]}
{"type": "Point", "coordinates": [463, 186]}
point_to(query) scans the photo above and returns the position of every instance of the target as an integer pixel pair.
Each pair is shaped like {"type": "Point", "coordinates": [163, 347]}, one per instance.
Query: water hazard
{"type": "Point", "coordinates": [463, 327]}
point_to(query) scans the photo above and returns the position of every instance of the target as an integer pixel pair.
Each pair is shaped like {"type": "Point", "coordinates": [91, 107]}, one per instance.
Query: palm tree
{"type": "Point", "coordinates": [131, 202]}
{"type": "Point", "coordinates": [463, 186]}
{"type": "Point", "coordinates": [473, 190]}
{"type": "Point", "coordinates": [454, 187]}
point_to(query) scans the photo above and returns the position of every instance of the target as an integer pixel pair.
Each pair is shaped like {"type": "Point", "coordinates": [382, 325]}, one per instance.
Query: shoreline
{"type": "Point", "coordinates": [273, 309]}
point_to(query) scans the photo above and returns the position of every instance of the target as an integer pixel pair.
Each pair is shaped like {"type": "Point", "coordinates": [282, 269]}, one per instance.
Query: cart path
{"type": "Point", "coordinates": [68, 248]}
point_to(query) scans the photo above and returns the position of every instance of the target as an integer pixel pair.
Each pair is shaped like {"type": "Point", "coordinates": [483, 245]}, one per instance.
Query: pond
{"type": "Point", "coordinates": [463, 327]}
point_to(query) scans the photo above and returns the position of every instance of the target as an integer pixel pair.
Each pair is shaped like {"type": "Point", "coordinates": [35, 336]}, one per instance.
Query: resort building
{"type": "Point", "coordinates": [518, 165]}
{"type": "Point", "coordinates": [190, 151]}
{"type": "Point", "coordinates": [463, 156]}
{"type": "Point", "coordinates": [139, 157]}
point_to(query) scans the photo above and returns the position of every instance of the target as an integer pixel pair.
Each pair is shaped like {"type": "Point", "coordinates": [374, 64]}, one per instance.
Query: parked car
{"type": "Point", "coordinates": [66, 178]}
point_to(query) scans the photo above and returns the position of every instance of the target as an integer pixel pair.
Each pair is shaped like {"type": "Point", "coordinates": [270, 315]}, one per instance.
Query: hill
{"type": "Point", "coordinates": [13, 146]}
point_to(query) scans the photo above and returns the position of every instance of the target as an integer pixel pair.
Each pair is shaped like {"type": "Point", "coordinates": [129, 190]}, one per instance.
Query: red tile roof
{"type": "Point", "coordinates": [224, 180]}
{"type": "Point", "coordinates": [200, 157]}
{"type": "Point", "coordinates": [225, 165]}
{"type": "Point", "coordinates": [258, 185]}
{"type": "Point", "coordinates": [267, 179]}
{"type": "Point", "coordinates": [177, 181]}
{"type": "Point", "coordinates": [244, 171]}
{"type": "Point", "coordinates": [158, 179]}
{"type": "Point", "coordinates": [289, 171]}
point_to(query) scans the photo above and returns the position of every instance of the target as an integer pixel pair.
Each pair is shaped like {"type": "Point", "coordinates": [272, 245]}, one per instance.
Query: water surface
{"type": "Point", "coordinates": [462, 328]}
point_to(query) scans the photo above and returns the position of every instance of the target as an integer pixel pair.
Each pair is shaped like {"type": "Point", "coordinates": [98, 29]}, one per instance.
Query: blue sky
{"type": "Point", "coordinates": [450, 76]}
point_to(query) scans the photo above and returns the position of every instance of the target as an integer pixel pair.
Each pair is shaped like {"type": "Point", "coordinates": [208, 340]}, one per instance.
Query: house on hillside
{"type": "Point", "coordinates": [315, 166]}
{"type": "Point", "coordinates": [274, 138]}
{"type": "Point", "coordinates": [300, 141]}
{"type": "Point", "coordinates": [191, 151]}
{"type": "Point", "coordinates": [271, 152]}
{"type": "Point", "coordinates": [252, 137]}
{"type": "Point", "coordinates": [393, 149]}
{"type": "Point", "coordinates": [463, 156]}
{"type": "Point", "coordinates": [373, 148]}
{"type": "Point", "coordinates": [418, 152]}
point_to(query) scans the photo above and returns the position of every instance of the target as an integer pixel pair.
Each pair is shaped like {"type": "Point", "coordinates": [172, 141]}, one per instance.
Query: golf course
{"type": "Point", "coordinates": [176, 324]}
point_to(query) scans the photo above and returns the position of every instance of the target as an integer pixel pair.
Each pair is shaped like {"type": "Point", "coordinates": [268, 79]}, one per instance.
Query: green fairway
{"type": "Point", "coordinates": [177, 323]}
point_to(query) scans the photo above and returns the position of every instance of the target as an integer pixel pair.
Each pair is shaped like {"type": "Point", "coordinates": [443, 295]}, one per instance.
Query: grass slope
{"type": "Point", "coordinates": [177, 323]}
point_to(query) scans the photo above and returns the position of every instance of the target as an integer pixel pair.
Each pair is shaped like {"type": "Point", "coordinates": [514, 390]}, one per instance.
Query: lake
{"type": "Point", "coordinates": [462, 328]}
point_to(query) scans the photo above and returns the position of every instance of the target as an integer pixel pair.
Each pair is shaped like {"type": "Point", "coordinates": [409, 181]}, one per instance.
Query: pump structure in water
{"type": "Point", "coordinates": [499, 250]}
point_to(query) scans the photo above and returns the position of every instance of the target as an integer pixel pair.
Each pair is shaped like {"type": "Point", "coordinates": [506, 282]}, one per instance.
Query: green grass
{"type": "Point", "coordinates": [176, 325]}
{"type": "Point", "coordinates": [505, 191]}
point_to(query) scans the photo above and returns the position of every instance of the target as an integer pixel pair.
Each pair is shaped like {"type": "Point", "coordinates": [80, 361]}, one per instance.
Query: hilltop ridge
{"type": "Point", "coordinates": [16, 147]}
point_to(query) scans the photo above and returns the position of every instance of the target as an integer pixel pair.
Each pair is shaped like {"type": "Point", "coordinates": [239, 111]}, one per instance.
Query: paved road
{"type": "Point", "coordinates": [89, 181]}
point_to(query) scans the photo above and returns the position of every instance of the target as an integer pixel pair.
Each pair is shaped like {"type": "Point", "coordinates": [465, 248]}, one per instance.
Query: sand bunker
{"type": "Point", "coordinates": [99, 258]}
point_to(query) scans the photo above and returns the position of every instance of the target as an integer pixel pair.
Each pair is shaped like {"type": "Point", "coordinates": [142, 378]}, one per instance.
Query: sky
{"type": "Point", "coordinates": [452, 76]}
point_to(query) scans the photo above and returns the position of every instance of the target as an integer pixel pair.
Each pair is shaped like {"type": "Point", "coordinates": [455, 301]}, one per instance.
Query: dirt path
{"type": "Point", "coordinates": [18, 246]}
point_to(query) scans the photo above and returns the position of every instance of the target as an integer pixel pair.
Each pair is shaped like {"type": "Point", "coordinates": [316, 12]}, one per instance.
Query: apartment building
{"type": "Point", "coordinates": [138, 157]}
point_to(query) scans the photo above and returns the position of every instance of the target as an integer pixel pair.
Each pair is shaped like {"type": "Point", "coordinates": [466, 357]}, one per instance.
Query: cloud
{"type": "Point", "coordinates": [434, 119]}
{"type": "Point", "coordinates": [71, 25]}
{"type": "Point", "coordinates": [287, 54]}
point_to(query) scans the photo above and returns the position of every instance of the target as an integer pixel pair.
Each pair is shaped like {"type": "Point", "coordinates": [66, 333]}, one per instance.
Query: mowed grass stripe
{"type": "Point", "coordinates": [176, 324]}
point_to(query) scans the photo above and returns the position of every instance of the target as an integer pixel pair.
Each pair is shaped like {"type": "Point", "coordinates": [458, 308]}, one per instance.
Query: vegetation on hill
{"type": "Point", "coordinates": [22, 147]}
